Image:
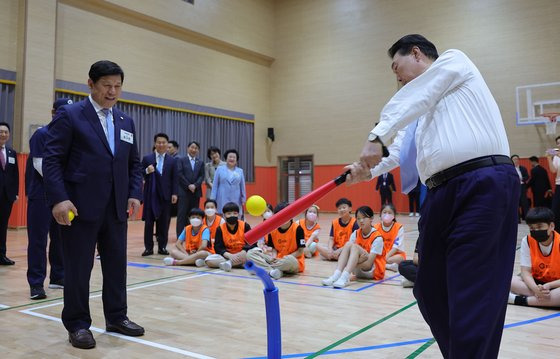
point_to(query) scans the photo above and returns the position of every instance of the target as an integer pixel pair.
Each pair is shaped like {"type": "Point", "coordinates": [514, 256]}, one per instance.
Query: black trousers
{"type": "Point", "coordinates": [5, 211]}
{"type": "Point", "coordinates": [386, 197]}
{"type": "Point", "coordinates": [408, 270]}
{"type": "Point", "coordinates": [414, 202]}
{"type": "Point", "coordinates": [556, 206]}
{"type": "Point", "coordinates": [524, 201]}
{"type": "Point", "coordinates": [78, 246]}
{"type": "Point", "coordinates": [162, 228]}
{"type": "Point", "coordinates": [184, 206]}
{"type": "Point", "coordinates": [40, 226]}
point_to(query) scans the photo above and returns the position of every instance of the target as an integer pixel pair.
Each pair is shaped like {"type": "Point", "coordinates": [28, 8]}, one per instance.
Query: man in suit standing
{"type": "Point", "coordinates": [40, 223]}
{"type": "Point", "coordinates": [523, 179]}
{"type": "Point", "coordinates": [385, 185]}
{"type": "Point", "coordinates": [539, 184]}
{"type": "Point", "coordinates": [160, 191]}
{"type": "Point", "coordinates": [91, 167]}
{"type": "Point", "coordinates": [9, 187]}
{"type": "Point", "coordinates": [191, 176]}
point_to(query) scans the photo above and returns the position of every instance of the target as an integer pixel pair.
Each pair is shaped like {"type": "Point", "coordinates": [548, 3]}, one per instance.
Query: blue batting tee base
{"type": "Point", "coordinates": [272, 306]}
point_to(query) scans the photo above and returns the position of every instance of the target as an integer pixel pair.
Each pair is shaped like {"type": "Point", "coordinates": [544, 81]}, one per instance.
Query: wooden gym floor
{"type": "Point", "coordinates": [206, 313]}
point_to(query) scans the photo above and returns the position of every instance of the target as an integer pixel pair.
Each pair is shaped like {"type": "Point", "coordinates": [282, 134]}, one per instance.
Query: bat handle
{"type": "Point", "coordinates": [342, 178]}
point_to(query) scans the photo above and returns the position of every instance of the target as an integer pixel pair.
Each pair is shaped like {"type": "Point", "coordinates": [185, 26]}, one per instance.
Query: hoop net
{"type": "Point", "coordinates": [551, 123]}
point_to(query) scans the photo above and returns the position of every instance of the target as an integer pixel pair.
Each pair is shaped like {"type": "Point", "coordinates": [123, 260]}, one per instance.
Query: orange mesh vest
{"type": "Point", "coordinates": [545, 268]}
{"type": "Point", "coordinates": [213, 228]}
{"type": "Point", "coordinates": [389, 237]}
{"type": "Point", "coordinates": [234, 242]}
{"type": "Point", "coordinates": [193, 242]}
{"type": "Point", "coordinates": [308, 232]}
{"type": "Point", "coordinates": [285, 243]}
{"type": "Point", "coordinates": [379, 262]}
{"type": "Point", "coordinates": [341, 235]}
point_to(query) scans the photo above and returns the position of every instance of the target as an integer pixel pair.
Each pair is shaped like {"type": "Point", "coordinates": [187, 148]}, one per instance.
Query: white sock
{"type": "Point", "coordinates": [345, 276]}
{"type": "Point", "coordinates": [511, 298]}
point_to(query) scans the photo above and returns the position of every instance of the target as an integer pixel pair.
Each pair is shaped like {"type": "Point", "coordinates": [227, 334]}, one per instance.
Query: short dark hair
{"type": "Point", "coordinates": [174, 144]}
{"type": "Point", "coordinates": [232, 151]}
{"type": "Point", "coordinates": [280, 206]}
{"type": "Point", "coordinates": [539, 215]}
{"type": "Point", "coordinates": [405, 44]}
{"type": "Point", "coordinates": [342, 201]}
{"type": "Point", "coordinates": [104, 68]}
{"type": "Point", "coordinates": [6, 124]}
{"type": "Point", "coordinates": [514, 155]}
{"type": "Point", "coordinates": [161, 134]}
{"type": "Point", "coordinates": [212, 149]}
{"type": "Point", "coordinates": [196, 143]}
{"type": "Point", "coordinates": [391, 207]}
{"type": "Point", "coordinates": [534, 159]}
{"type": "Point", "coordinates": [196, 212]}
{"type": "Point", "coordinates": [209, 200]}
{"type": "Point", "coordinates": [366, 211]}
{"type": "Point", "coordinates": [230, 207]}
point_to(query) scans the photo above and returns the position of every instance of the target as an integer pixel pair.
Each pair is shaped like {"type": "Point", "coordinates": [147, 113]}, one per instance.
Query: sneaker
{"type": "Point", "coordinates": [392, 267]}
{"type": "Point", "coordinates": [276, 273]}
{"type": "Point", "coordinates": [411, 214]}
{"type": "Point", "coordinates": [57, 284]}
{"type": "Point", "coordinates": [168, 261]}
{"type": "Point", "coordinates": [417, 214]}
{"type": "Point", "coordinates": [511, 298]}
{"type": "Point", "coordinates": [341, 282]}
{"type": "Point", "coordinates": [37, 293]}
{"type": "Point", "coordinates": [407, 283]}
{"type": "Point", "coordinates": [199, 262]}
{"type": "Point", "coordinates": [330, 280]}
{"type": "Point", "coordinates": [225, 266]}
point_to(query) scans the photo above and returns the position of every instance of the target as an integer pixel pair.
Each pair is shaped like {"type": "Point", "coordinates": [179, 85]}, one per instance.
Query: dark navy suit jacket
{"type": "Point", "coordinates": [9, 177]}
{"type": "Point", "coordinates": [187, 176]}
{"type": "Point", "coordinates": [164, 185]}
{"type": "Point", "coordinates": [78, 164]}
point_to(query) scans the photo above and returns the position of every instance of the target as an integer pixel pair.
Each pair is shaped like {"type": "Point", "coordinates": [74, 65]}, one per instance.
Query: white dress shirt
{"type": "Point", "coordinates": [458, 118]}
{"type": "Point", "coordinates": [101, 114]}
{"type": "Point", "coordinates": [556, 164]}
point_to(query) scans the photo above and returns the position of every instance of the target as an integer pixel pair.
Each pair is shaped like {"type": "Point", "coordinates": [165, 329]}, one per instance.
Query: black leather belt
{"type": "Point", "coordinates": [467, 166]}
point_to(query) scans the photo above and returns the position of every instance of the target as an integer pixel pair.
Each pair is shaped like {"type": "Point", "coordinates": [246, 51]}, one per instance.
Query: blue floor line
{"type": "Point", "coordinates": [185, 269]}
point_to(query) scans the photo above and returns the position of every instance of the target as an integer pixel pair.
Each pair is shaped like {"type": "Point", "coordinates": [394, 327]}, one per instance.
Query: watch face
{"type": "Point", "coordinates": [371, 137]}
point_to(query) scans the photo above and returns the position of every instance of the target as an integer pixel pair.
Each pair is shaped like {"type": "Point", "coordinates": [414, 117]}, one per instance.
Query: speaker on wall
{"type": "Point", "coordinates": [271, 133]}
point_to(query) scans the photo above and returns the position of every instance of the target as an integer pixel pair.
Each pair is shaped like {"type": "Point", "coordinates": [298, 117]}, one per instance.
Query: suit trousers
{"type": "Point", "coordinates": [408, 270]}
{"type": "Point", "coordinates": [162, 228]}
{"type": "Point", "coordinates": [184, 205]}
{"type": "Point", "coordinates": [78, 245]}
{"type": "Point", "coordinates": [5, 211]}
{"type": "Point", "coordinates": [40, 226]}
{"type": "Point", "coordinates": [468, 234]}
{"type": "Point", "coordinates": [386, 196]}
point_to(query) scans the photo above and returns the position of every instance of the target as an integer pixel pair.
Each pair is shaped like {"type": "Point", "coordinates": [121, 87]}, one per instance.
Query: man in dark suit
{"type": "Point", "coordinates": [40, 223]}
{"type": "Point", "coordinates": [539, 184]}
{"type": "Point", "coordinates": [385, 185]}
{"type": "Point", "coordinates": [191, 176]}
{"type": "Point", "coordinates": [523, 179]}
{"type": "Point", "coordinates": [9, 187]}
{"type": "Point", "coordinates": [91, 167]}
{"type": "Point", "coordinates": [160, 191]}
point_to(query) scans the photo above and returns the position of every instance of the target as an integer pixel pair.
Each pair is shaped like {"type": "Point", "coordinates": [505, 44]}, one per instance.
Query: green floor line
{"type": "Point", "coordinates": [356, 333]}
{"type": "Point", "coordinates": [95, 291]}
{"type": "Point", "coordinates": [419, 351]}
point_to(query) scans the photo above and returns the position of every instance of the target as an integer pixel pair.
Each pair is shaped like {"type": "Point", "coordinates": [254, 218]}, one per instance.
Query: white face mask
{"type": "Point", "coordinates": [210, 212]}
{"type": "Point", "coordinates": [311, 216]}
{"type": "Point", "coordinates": [387, 218]}
{"type": "Point", "coordinates": [267, 215]}
{"type": "Point", "coordinates": [196, 222]}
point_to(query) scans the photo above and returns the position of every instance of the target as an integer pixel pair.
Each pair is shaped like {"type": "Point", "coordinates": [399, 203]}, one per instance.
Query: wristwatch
{"type": "Point", "coordinates": [372, 137]}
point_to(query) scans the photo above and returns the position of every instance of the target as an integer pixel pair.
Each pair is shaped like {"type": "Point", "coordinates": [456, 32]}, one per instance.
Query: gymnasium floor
{"type": "Point", "coordinates": [206, 313]}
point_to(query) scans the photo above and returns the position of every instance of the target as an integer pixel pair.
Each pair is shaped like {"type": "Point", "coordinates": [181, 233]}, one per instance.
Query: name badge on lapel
{"type": "Point", "coordinates": [12, 160]}
{"type": "Point", "coordinates": [127, 137]}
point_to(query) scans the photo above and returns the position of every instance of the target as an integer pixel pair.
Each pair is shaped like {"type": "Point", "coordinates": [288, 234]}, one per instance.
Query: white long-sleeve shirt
{"type": "Point", "coordinates": [458, 118]}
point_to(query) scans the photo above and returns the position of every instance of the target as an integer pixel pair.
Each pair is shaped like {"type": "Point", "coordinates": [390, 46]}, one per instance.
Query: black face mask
{"type": "Point", "coordinates": [231, 220]}
{"type": "Point", "coordinates": [540, 235]}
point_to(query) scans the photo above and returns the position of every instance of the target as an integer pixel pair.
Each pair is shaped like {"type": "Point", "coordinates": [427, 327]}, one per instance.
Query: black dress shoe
{"type": "Point", "coordinates": [126, 327]}
{"type": "Point", "coordinates": [37, 293]}
{"type": "Point", "coordinates": [147, 252]}
{"type": "Point", "coordinates": [81, 338]}
{"type": "Point", "coordinates": [5, 261]}
{"type": "Point", "coordinates": [163, 251]}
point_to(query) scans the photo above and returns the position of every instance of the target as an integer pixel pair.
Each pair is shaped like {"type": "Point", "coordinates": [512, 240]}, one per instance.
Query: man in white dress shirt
{"type": "Point", "coordinates": [468, 227]}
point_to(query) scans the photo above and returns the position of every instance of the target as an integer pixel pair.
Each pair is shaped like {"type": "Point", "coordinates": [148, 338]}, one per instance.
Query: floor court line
{"type": "Point", "coordinates": [124, 337]}
{"type": "Point", "coordinates": [182, 268]}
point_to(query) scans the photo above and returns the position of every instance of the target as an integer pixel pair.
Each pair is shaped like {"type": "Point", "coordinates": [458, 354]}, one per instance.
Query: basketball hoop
{"type": "Point", "coordinates": [551, 123]}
